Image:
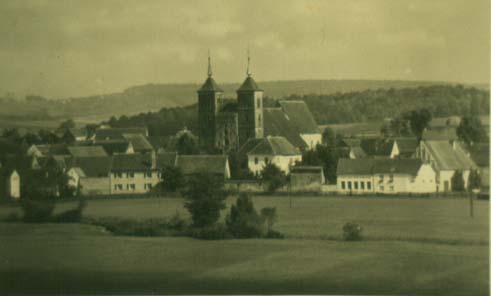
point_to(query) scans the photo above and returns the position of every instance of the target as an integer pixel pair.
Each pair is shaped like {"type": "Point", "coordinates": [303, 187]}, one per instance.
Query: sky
{"type": "Point", "coordinates": [76, 48]}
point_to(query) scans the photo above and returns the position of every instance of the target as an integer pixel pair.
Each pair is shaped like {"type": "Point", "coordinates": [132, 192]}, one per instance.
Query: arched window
{"type": "Point", "coordinates": [259, 119]}
{"type": "Point", "coordinates": [258, 103]}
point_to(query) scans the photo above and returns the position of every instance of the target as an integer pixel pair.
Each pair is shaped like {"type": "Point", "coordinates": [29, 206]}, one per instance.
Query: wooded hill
{"type": "Point", "coordinates": [153, 97]}
{"type": "Point", "coordinates": [357, 106]}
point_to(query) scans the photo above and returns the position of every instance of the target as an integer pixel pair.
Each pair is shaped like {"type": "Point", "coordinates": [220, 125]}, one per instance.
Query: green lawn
{"type": "Point", "coordinates": [414, 246]}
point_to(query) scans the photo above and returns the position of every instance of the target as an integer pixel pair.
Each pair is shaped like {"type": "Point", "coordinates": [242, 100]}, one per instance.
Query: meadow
{"type": "Point", "coordinates": [412, 246]}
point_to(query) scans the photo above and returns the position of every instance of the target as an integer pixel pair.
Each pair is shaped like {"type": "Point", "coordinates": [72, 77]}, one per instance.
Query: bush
{"type": "Point", "coordinates": [36, 211]}
{"type": "Point", "coordinates": [275, 234]}
{"type": "Point", "coordinates": [149, 227]}
{"type": "Point", "coordinates": [211, 232]}
{"type": "Point", "coordinates": [352, 232]}
{"type": "Point", "coordinates": [243, 220]}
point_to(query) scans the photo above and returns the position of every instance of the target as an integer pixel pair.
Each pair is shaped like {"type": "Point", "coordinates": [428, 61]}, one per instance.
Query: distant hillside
{"type": "Point", "coordinates": [153, 97]}
{"type": "Point", "coordinates": [357, 106]}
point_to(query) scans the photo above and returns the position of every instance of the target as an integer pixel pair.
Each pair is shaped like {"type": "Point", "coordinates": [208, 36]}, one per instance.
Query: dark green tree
{"type": "Point", "coordinates": [187, 144]}
{"type": "Point", "coordinates": [329, 137]}
{"type": "Point", "coordinates": [243, 221]}
{"type": "Point", "coordinates": [205, 198]}
{"type": "Point", "coordinates": [458, 181]}
{"type": "Point", "coordinates": [418, 120]}
{"type": "Point", "coordinates": [470, 130]}
{"type": "Point", "coordinates": [274, 177]}
{"type": "Point", "coordinates": [474, 181]}
{"type": "Point", "coordinates": [69, 123]}
{"type": "Point", "coordinates": [172, 177]}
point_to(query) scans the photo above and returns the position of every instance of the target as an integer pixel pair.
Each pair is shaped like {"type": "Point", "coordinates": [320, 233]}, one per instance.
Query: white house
{"type": "Point", "coordinates": [134, 173]}
{"type": "Point", "coordinates": [275, 150]}
{"type": "Point", "coordinates": [387, 176]}
{"type": "Point", "coordinates": [13, 185]}
{"type": "Point", "coordinates": [446, 157]}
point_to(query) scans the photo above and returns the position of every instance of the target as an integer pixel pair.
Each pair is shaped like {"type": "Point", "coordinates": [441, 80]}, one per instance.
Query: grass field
{"type": "Point", "coordinates": [413, 246]}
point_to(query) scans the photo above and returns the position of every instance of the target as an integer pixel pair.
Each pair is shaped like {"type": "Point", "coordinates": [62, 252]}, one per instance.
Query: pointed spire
{"type": "Point", "coordinates": [209, 64]}
{"type": "Point", "coordinates": [248, 63]}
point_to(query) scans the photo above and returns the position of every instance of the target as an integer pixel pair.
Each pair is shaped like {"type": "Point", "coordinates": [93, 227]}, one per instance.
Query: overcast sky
{"type": "Point", "coordinates": [74, 48]}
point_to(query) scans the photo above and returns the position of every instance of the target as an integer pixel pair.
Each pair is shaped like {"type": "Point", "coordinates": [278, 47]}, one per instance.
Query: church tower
{"type": "Point", "coordinates": [208, 96]}
{"type": "Point", "coordinates": [250, 108]}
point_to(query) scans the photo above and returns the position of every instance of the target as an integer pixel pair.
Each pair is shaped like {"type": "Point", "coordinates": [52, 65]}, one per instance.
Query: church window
{"type": "Point", "coordinates": [259, 119]}
{"type": "Point", "coordinates": [259, 103]}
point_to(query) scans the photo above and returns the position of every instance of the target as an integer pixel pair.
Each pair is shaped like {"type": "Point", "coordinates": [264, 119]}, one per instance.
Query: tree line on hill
{"type": "Point", "coordinates": [359, 106]}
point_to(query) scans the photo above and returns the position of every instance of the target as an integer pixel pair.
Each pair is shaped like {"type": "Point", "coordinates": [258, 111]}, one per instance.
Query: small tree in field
{"type": "Point", "coordinates": [274, 177]}
{"type": "Point", "coordinates": [458, 181]}
{"type": "Point", "coordinates": [243, 220]}
{"type": "Point", "coordinates": [205, 198]}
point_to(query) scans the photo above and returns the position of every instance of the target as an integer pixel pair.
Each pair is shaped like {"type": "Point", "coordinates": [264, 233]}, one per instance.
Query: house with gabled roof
{"type": "Point", "coordinates": [86, 151]}
{"type": "Point", "coordinates": [307, 178]}
{"type": "Point", "coordinates": [404, 147]}
{"type": "Point", "coordinates": [90, 175]}
{"type": "Point", "coordinates": [114, 147]}
{"type": "Point", "coordinates": [446, 157]}
{"type": "Point", "coordinates": [217, 165]}
{"type": "Point", "coordinates": [271, 149]}
{"type": "Point", "coordinates": [139, 143]}
{"type": "Point", "coordinates": [385, 175]}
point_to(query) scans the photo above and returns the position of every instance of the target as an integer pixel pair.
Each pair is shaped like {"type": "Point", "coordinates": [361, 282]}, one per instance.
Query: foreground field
{"type": "Point", "coordinates": [82, 259]}
{"type": "Point", "coordinates": [412, 246]}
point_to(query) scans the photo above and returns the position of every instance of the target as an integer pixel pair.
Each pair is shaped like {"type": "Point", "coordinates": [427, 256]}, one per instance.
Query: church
{"type": "Point", "coordinates": [228, 124]}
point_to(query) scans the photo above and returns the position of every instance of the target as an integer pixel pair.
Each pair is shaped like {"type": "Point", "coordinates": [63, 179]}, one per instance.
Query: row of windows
{"type": "Point", "coordinates": [132, 175]}
{"type": "Point", "coordinates": [355, 185]}
{"type": "Point", "coordinates": [119, 187]}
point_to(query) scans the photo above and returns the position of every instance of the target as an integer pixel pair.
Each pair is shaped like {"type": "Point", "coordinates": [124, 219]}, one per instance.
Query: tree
{"type": "Point", "coordinates": [329, 137]}
{"type": "Point", "coordinates": [269, 214]}
{"type": "Point", "coordinates": [418, 120]}
{"type": "Point", "coordinates": [474, 181]}
{"type": "Point", "coordinates": [470, 130]}
{"type": "Point", "coordinates": [173, 179]}
{"type": "Point", "coordinates": [187, 144]}
{"type": "Point", "coordinates": [243, 220]}
{"type": "Point", "coordinates": [458, 181]}
{"type": "Point", "coordinates": [273, 176]}
{"type": "Point", "coordinates": [69, 123]}
{"type": "Point", "coordinates": [205, 198]}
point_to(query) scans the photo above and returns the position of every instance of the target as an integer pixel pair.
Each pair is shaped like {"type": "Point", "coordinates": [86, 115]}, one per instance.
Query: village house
{"type": "Point", "coordinates": [134, 173]}
{"type": "Point", "coordinates": [404, 148]}
{"type": "Point", "coordinates": [114, 147]}
{"type": "Point", "coordinates": [217, 165]}
{"type": "Point", "coordinates": [73, 135]}
{"type": "Point", "coordinates": [86, 151]}
{"type": "Point", "coordinates": [90, 175]}
{"type": "Point", "coordinates": [307, 178]}
{"type": "Point", "coordinates": [276, 150]}
{"type": "Point", "coordinates": [386, 176]}
{"type": "Point", "coordinates": [446, 157]}
{"type": "Point", "coordinates": [9, 183]}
